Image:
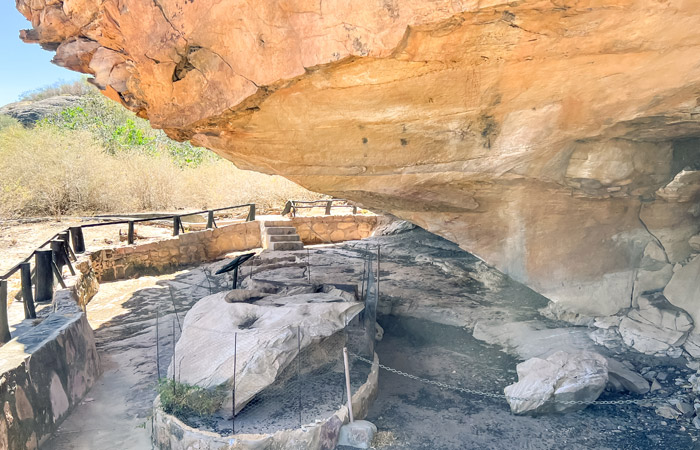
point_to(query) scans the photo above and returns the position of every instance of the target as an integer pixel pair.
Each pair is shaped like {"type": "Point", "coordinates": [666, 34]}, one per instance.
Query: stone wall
{"type": "Point", "coordinates": [170, 433]}
{"type": "Point", "coordinates": [330, 229]}
{"type": "Point", "coordinates": [47, 369]}
{"type": "Point", "coordinates": [187, 248]}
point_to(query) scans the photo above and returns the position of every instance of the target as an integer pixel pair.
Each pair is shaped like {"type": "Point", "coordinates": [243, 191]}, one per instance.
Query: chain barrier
{"type": "Point", "coordinates": [640, 401]}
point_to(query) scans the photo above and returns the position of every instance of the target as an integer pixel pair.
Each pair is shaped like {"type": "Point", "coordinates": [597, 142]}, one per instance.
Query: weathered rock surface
{"type": "Point", "coordinates": [543, 384]}
{"type": "Point", "coordinates": [684, 289]}
{"type": "Point", "coordinates": [30, 112]}
{"type": "Point", "coordinates": [549, 139]}
{"type": "Point", "coordinates": [265, 338]}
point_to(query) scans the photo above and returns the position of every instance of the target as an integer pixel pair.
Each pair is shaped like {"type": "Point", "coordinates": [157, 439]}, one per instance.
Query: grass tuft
{"type": "Point", "coordinates": [183, 400]}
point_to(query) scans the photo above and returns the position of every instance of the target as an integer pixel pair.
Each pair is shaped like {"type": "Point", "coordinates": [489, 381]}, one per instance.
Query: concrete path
{"type": "Point", "coordinates": [116, 414]}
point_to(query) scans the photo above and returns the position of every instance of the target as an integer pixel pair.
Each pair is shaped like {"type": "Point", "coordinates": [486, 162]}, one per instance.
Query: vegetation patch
{"type": "Point", "coordinates": [185, 400]}
{"type": "Point", "coordinates": [98, 157]}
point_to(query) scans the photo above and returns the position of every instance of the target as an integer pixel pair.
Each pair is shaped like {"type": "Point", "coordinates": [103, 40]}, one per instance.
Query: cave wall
{"type": "Point", "coordinates": [547, 137]}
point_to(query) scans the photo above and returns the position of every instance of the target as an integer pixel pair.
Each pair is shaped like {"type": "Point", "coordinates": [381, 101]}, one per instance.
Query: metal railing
{"type": "Point", "coordinates": [64, 245]}
{"type": "Point", "coordinates": [292, 205]}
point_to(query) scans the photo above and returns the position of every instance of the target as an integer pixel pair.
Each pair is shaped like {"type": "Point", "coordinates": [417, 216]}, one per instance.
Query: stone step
{"type": "Point", "coordinates": [277, 223]}
{"type": "Point", "coordinates": [286, 246]}
{"type": "Point", "coordinates": [283, 238]}
{"type": "Point", "coordinates": [280, 230]}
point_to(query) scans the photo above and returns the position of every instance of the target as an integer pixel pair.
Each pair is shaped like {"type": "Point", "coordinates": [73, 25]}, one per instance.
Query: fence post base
{"type": "Point", "coordinates": [27, 297]}
{"type": "Point", "coordinates": [44, 276]}
{"type": "Point", "coordinates": [130, 234]}
{"type": "Point", "coordinates": [76, 234]}
{"type": "Point", "coordinates": [4, 325]}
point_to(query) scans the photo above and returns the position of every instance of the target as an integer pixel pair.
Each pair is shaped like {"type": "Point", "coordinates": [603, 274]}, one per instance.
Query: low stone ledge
{"type": "Point", "coordinates": [170, 433]}
{"type": "Point", "coordinates": [331, 229]}
{"type": "Point", "coordinates": [48, 368]}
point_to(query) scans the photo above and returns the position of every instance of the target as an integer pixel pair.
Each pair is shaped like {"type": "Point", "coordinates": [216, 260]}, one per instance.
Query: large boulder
{"type": "Point", "coordinates": [548, 138]}
{"type": "Point", "coordinates": [262, 338]}
{"type": "Point", "coordinates": [545, 384]}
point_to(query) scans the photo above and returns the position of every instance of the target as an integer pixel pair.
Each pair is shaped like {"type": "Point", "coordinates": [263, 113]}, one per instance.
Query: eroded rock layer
{"type": "Point", "coordinates": [557, 140]}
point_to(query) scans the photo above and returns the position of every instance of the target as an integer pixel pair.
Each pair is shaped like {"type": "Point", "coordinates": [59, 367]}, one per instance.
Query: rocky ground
{"type": "Point", "coordinates": [433, 298]}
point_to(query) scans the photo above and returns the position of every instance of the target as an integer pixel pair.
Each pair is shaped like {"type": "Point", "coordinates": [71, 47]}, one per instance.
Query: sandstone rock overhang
{"type": "Point", "coordinates": [539, 135]}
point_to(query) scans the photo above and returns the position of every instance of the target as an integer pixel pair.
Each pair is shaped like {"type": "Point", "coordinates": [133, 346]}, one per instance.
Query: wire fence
{"type": "Point", "coordinates": [278, 378]}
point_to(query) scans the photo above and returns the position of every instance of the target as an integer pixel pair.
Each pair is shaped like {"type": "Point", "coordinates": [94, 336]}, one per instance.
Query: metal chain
{"type": "Point", "coordinates": [640, 401]}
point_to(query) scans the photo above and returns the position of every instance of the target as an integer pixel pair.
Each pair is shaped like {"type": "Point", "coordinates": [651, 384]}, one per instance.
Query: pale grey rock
{"type": "Point", "coordinates": [694, 242]}
{"type": "Point", "coordinates": [649, 339]}
{"type": "Point", "coordinates": [696, 422]}
{"type": "Point", "coordinates": [265, 336]}
{"type": "Point", "coordinates": [667, 412]}
{"type": "Point", "coordinates": [544, 383]}
{"type": "Point", "coordinates": [656, 327]}
{"type": "Point", "coordinates": [683, 407]}
{"type": "Point", "coordinates": [358, 434]}
{"type": "Point", "coordinates": [683, 290]}
{"type": "Point", "coordinates": [659, 312]}
{"type": "Point", "coordinates": [556, 311]}
{"type": "Point", "coordinates": [607, 322]}
{"type": "Point", "coordinates": [650, 281]}
{"type": "Point", "coordinates": [655, 386]}
{"type": "Point", "coordinates": [605, 296]}
{"type": "Point", "coordinates": [628, 380]}
{"type": "Point", "coordinates": [654, 257]}
{"type": "Point", "coordinates": [692, 346]}
{"type": "Point", "coordinates": [607, 337]}
{"type": "Point", "coordinates": [683, 188]}
{"type": "Point", "coordinates": [379, 333]}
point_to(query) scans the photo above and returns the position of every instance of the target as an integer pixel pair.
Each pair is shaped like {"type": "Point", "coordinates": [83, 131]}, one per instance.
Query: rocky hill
{"type": "Point", "coordinates": [30, 112]}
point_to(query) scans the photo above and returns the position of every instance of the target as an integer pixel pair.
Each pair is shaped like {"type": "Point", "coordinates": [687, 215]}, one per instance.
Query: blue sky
{"type": "Point", "coordinates": [23, 67]}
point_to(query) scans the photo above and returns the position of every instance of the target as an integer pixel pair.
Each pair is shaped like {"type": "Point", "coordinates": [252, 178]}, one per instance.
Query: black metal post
{"type": "Point", "coordinates": [76, 234]}
{"type": "Point", "coordinates": [130, 233]}
{"type": "Point", "coordinates": [329, 203]}
{"type": "Point", "coordinates": [43, 263]}
{"type": "Point", "coordinates": [4, 325]}
{"type": "Point", "coordinates": [57, 254]}
{"type": "Point", "coordinates": [235, 278]}
{"type": "Point", "coordinates": [210, 219]}
{"type": "Point", "coordinates": [176, 225]}
{"type": "Point", "coordinates": [27, 297]}
{"type": "Point", "coordinates": [57, 274]}
{"type": "Point", "coordinates": [65, 237]}
{"type": "Point", "coordinates": [251, 213]}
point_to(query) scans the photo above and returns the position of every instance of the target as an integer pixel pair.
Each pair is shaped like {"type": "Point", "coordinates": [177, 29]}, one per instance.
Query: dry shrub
{"type": "Point", "coordinates": [47, 170]}
{"type": "Point", "coordinates": [228, 185]}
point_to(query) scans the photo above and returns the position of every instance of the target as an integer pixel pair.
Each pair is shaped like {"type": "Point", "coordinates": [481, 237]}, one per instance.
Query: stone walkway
{"type": "Point", "coordinates": [116, 412]}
